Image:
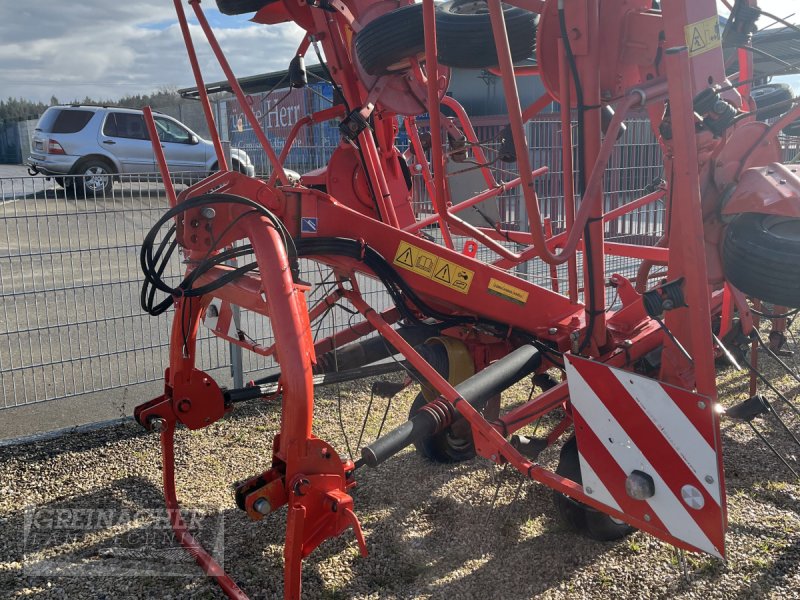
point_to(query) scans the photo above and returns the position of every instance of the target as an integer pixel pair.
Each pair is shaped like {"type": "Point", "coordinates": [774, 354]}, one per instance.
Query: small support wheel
{"type": "Point", "coordinates": [447, 446]}
{"type": "Point", "coordinates": [577, 516]}
{"type": "Point", "coordinates": [454, 443]}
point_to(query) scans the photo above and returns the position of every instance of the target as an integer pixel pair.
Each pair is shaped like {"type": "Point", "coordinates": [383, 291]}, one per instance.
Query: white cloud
{"type": "Point", "coordinates": [106, 50]}
{"type": "Point", "coordinates": [109, 48]}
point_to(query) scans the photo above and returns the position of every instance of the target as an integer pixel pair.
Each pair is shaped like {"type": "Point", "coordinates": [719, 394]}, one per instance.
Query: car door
{"type": "Point", "coordinates": [125, 136]}
{"type": "Point", "coordinates": [182, 148]}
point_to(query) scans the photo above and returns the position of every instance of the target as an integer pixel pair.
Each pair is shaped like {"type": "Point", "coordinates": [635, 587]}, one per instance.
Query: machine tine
{"type": "Point", "coordinates": [774, 451]}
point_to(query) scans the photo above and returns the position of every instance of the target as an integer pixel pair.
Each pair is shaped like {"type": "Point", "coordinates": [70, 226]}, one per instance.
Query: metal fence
{"type": "Point", "coordinates": [636, 165]}
{"type": "Point", "coordinates": [70, 281]}
{"type": "Point", "coordinates": [70, 320]}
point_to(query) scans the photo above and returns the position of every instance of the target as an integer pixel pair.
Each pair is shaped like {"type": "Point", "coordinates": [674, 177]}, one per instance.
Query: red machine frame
{"type": "Point", "coordinates": [307, 473]}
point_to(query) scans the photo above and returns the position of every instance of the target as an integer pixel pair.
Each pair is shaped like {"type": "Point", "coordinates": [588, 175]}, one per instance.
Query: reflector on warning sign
{"type": "Point", "coordinates": [658, 439]}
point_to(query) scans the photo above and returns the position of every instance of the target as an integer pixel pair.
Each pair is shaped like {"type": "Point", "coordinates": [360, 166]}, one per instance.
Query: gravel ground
{"type": "Point", "coordinates": [471, 530]}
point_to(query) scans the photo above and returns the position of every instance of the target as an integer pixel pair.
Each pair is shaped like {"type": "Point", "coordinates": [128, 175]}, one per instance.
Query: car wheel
{"type": "Point", "coordinates": [96, 178]}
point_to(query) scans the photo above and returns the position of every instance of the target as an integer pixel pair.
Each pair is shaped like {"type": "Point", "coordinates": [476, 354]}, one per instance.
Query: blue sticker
{"type": "Point", "coordinates": [308, 225]}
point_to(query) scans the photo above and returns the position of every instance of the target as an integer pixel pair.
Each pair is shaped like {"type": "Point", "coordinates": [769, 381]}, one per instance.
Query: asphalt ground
{"type": "Point", "coordinates": [75, 345]}
{"type": "Point", "coordinates": [71, 328]}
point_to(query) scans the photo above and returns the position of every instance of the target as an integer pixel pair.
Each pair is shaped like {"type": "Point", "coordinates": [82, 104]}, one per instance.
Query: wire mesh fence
{"type": "Point", "coordinates": [635, 168]}
{"type": "Point", "coordinates": [70, 316]}
{"type": "Point", "coordinates": [70, 320]}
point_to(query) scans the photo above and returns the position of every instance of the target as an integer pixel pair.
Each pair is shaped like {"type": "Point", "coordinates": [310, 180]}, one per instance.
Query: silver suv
{"type": "Point", "coordinates": [99, 143]}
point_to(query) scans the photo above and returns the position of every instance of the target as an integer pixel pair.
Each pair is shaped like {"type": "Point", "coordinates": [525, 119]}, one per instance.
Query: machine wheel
{"type": "Point", "coordinates": [446, 446]}
{"type": "Point", "coordinates": [792, 128]}
{"type": "Point", "coordinates": [240, 7]}
{"type": "Point", "coordinates": [96, 178]}
{"type": "Point", "coordinates": [464, 37]}
{"type": "Point", "coordinates": [386, 44]}
{"type": "Point", "coordinates": [577, 516]}
{"type": "Point", "coordinates": [761, 257]}
{"type": "Point", "coordinates": [772, 100]}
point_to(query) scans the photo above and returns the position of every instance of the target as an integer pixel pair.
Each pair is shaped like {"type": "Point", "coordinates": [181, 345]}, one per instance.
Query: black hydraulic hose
{"type": "Point", "coordinates": [359, 354]}
{"type": "Point", "coordinates": [476, 390]}
{"type": "Point", "coordinates": [573, 68]}
{"type": "Point", "coordinates": [382, 269]}
{"type": "Point", "coordinates": [153, 271]}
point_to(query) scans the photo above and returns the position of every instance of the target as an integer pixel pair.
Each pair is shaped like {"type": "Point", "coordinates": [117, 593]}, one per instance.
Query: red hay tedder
{"type": "Point", "coordinates": [638, 375]}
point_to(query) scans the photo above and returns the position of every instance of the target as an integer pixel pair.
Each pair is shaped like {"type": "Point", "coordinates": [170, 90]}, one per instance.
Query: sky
{"type": "Point", "coordinates": [107, 49]}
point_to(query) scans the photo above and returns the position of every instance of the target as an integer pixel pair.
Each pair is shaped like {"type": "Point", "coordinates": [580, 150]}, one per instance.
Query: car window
{"type": "Point", "coordinates": [125, 125]}
{"type": "Point", "coordinates": [170, 131]}
{"type": "Point", "coordinates": [57, 120]}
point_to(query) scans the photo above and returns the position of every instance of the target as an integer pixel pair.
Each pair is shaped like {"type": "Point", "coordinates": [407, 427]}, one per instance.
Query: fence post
{"type": "Point", "coordinates": [237, 360]}
{"type": "Point", "coordinates": [237, 366]}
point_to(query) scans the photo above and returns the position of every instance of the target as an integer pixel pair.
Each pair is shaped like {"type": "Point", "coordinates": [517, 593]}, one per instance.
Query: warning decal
{"type": "Point", "coordinates": [507, 291]}
{"type": "Point", "coordinates": [433, 267]}
{"type": "Point", "coordinates": [702, 36]}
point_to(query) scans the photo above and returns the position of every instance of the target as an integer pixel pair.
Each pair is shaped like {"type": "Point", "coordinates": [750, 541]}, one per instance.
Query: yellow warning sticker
{"type": "Point", "coordinates": [433, 267]}
{"type": "Point", "coordinates": [702, 36]}
{"type": "Point", "coordinates": [507, 291]}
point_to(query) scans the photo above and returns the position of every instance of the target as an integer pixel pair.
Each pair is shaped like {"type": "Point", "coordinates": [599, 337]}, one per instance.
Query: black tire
{"type": "Point", "coordinates": [792, 128]}
{"type": "Point", "coordinates": [386, 43]}
{"type": "Point", "coordinates": [95, 178]}
{"type": "Point", "coordinates": [761, 257]}
{"type": "Point", "coordinates": [445, 446]}
{"type": "Point", "coordinates": [240, 7]}
{"type": "Point", "coordinates": [465, 40]}
{"type": "Point", "coordinates": [772, 100]}
{"type": "Point", "coordinates": [579, 517]}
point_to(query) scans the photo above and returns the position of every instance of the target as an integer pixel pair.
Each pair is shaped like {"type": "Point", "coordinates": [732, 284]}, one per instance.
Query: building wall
{"type": "Point", "coordinates": [481, 93]}
{"type": "Point", "coordinates": [15, 141]}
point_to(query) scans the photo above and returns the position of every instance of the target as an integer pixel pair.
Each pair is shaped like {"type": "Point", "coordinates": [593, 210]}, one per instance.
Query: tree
{"type": "Point", "coordinates": [20, 109]}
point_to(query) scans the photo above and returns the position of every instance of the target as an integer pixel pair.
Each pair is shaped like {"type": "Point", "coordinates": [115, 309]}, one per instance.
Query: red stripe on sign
{"type": "Point", "coordinates": [597, 455]}
{"type": "Point", "coordinates": [653, 445]}
{"type": "Point", "coordinates": [686, 401]}
{"type": "Point", "coordinates": [601, 461]}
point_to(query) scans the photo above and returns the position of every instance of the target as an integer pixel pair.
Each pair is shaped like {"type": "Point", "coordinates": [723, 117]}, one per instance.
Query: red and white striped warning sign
{"type": "Point", "coordinates": [626, 422]}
